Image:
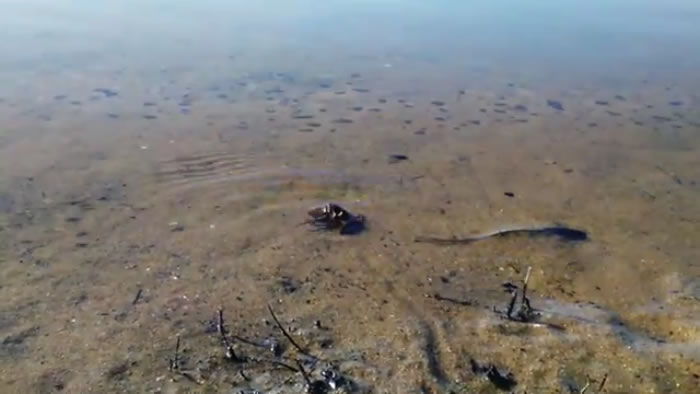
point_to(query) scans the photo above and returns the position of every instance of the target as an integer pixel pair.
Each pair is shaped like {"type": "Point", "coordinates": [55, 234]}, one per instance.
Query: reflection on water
{"type": "Point", "coordinates": [157, 158]}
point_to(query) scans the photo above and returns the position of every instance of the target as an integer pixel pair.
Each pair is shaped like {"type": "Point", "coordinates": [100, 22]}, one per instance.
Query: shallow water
{"type": "Point", "coordinates": [157, 158]}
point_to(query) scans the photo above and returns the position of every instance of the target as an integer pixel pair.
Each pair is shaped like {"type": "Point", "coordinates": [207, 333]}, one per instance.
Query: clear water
{"type": "Point", "coordinates": [157, 157]}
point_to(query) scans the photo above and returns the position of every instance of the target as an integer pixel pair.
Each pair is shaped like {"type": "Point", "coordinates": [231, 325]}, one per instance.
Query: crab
{"type": "Point", "coordinates": [332, 217]}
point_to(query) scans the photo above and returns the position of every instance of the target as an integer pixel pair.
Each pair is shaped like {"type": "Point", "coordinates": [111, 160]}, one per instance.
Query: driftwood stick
{"type": "Point", "coordinates": [304, 374]}
{"type": "Point", "coordinates": [228, 346]}
{"type": "Point", "coordinates": [285, 333]}
{"type": "Point", "coordinates": [175, 361]}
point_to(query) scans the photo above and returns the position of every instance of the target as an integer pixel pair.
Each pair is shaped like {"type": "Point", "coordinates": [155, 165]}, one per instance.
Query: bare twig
{"type": "Point", "coordinates": [285, 333]}
{"type": "Point", "coordinates": [511, 305]}
{"type": "Point", "coordinates": [137, 297]}
{"type": "Point", "coordinates": [304, 374]}
{"type": "Point", "coordinates": [230, 353]}
{"type": "Point", "coordinates": [175, 361]}
{"type": "Point", "coordinates": [584, 388]}
{"type": "Point", "coordinates": [602, 384]}
{"type": "Point", "coordinates": [527, 278]}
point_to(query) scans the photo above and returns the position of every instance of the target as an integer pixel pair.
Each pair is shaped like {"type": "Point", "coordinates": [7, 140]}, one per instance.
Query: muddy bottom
{"type": "Point", "coordinates": [127, 220]}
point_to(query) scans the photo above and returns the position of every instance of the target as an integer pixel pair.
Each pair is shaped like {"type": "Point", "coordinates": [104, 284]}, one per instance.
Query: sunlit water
{"type": "Point", "coordinates": [158, 157]}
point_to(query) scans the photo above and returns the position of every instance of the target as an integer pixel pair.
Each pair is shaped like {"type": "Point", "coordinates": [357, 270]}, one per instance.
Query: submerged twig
{"type": "Point", "coordinates": [285, 333]}
{"type": "Point", "coordinates": [228, 346]}
{"type": "Point", "coordinates": [174, 363]}
{"type": "Point", "coordinates": [137, 297]}
{"type": "Point", "coordinates": [584, 388]}
{"type": "Point", "coordinates": [602, 383]}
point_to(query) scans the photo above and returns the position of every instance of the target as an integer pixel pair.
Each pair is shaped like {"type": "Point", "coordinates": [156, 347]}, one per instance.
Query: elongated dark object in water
{"type": "Point", "coordinates": [561, 232]}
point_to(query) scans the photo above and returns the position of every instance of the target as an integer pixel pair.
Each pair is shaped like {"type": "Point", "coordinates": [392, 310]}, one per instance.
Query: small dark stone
{"type": "Point", "coordinates": [339, 92]}
{"type": "Point", "coordinates": [661, 118]}
{"type": "Point", "coordinates": [395, 158]}
{"type": "Point", "coordinates": [374, 110]}
{"type": "Point", "coordinates": [593, 124]}
{"type": "Point", "coordinates": [408, 121]}
{"type": "Point", "coordinates": [509, 194]}
{"type": "Point", "coordinates": [361, 90]}
{"type": "Point", "coordinates": [288, 284]}
{"type": "Point", "coordinates": [675, 103]}
{"type": "Point", "coordinates": [500, 104]}
{"type": "Point", "coordinates": [568, 170]}
{"type": "Point", "coordinates": [302, 117]}
{"type": "Point", "coordinates": [343, 121]}
{"type": "Point", "coordinates": [107, 92]}
{"type": "Point", "coordinates": [437, 103]}
{"type": "Point", "coordinates": [620, 98]}
{"type": "Point", "coordinates": [324, 85]}
{"type": "Point", "coordinates": [444, 110]}
{"type": "Point", "coordinates": [499, 111]}
{"type": "Point", "coordinates": [555, 104]}
{"type": "Point", "coordinates": [306, 130]}
{"type": "Point", "coordinates": [60, 97]}
{"type": "Point", "coordinates": [149, 104]}
{"type": "Point", "coordinates": [440, 119]}
{"type": "Point", "coordinates": [73, 219]}
{"type": "Point", "coordinates": [75, 102]}
{"type": "Point", "coordinates": [420, 132]}
{"type": "Point", "coordinates": [475, 122]}
{"type": "Point", "coordinates": [81, 245]}
{"type": "Point", "coordinates": [601, 102]}
{"type": "Point", "coordinates": [118, 371]}
{"type": "Point", "coordinates": [222, 96]}
{"type": "Point", "coordinates": [113, 116]}
{"type": "Point", "coordinates": [613, 113]}
{"type": "Point", "coordinates": [483, 110]}
{"type": "Point", "coordinates": [313, 124]}
{"type": "Point", "coordinates": [177, 228]}
{"type": "Point", "coordinates": [357, 109]}
{"type": "Point", "coordinates": [81, 234]}
{"type": "Point", "coordinates": [382, 100]}
{"type": "Point", "coordinates": [150, 117]}
{"type": "Point", "coordinates": [355, 75]}
{"type": "Point", "coordinates": [520, 108]}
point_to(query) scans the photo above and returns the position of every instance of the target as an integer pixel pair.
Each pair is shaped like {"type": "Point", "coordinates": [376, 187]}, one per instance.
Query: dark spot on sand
{"type": "Point", "coordinates": [499, 111]}
{"type": "Point", "coordinates": [555, 104]}
{"type": "Point", "coordinates": [361, 90]}
{"type": "Point", "coordinates": [270, 110]}
{"type": "Point", "coordinates": [408, 121]}
{"type": "Point", "coordinates": [313, 124]}
{"type": "Point", "coordinates": [475, 122]}
{"type": "Point", "coordinates": [302, 117]}
{"type": "Point", "coordinates": [395, 158]}
{"type": "Point", "coordinates": [106, 92]}
{"type": "Point", "coordinates": [339, 92]}
{"type": "Point", "coordinates": [568, 170]}
{"type": "Point", "coordinates": [73, 219]}
{"type": "Point", "coordinates": [613, 113]}
{"type": "Point", "coordinates": [324, 85]}
{"type": "Point", "coordinates": [60, 97]}
{"type": "Point", "coordinates": [661, 118]}
{"type": "Point", "coordinates": [306, 130]}
{"type": "Point", "coordinates": [374, 109]}
{"type": "Point", "coordinates": [437, 103]}
{"type": "Point", "coordinates": [150, 117]}
{"type": "Point", "coordinates": [113, 116]}
{"type": "Point", "coordinates": [509, 194]}
{"type": "Point", "coordinates": [222, 96]}
{"type": "Point", "coordinates": [276, 90]}
{"type": "Point", "coordinates": [289, 285]}
{"type": "Point", "coordinates": [149, 104]}
{"type": "Point", "coordinates": [483, 110]}
{"type": "Point", "coordinates": [357, 109]}
{"type": "Point", "coordinates": [601, 102]}
{"type": "Point", "coordinates": [81, 234]}
{"type": "Point", "coordinates": [355, 75]}
{"type": "Point", "coordinates": [420, 132]}
{"type": "Point", "coordinates": [675, 103]}
{"type": "Point", "coordinates": [382, 100]}
{"type": "Point", "coordinates": [620, 97]}
{"type": "Point", "coordinates": [75, 102]}
{"type": "Point", "coordinates": [444, 110]}
{"type": "Point", "coordinates": [500, 104]}
{"type": "Point", "coordinates": [520, 108]}
{"type": "Point", "coordinates": [440, 119]}
{"type": "Point", "coordinates": [343, 121]}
